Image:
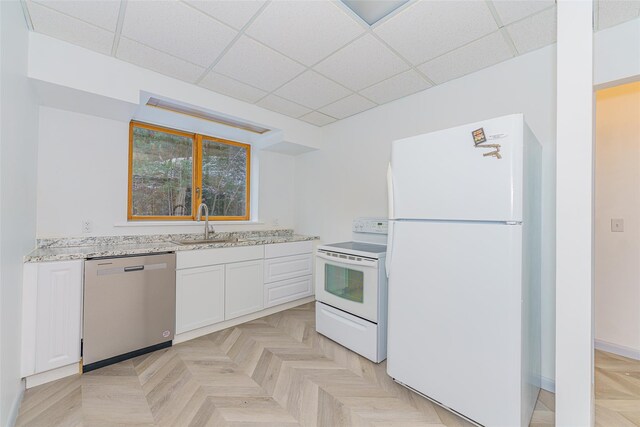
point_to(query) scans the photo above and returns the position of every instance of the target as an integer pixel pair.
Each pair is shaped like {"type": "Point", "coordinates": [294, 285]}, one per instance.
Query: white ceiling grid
{"type": "Point", "coordinates": [311, 60]}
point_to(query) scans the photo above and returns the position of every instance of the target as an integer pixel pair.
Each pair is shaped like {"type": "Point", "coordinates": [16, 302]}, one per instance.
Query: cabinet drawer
{"type": "Point", "coordinates": [287, 267]}
{"type": "Point", "coordinates": [287, 290]}
{"type": "Point", "coordinates": [285, 249]}
{"type": "Point", "coordinates": [204, 257]}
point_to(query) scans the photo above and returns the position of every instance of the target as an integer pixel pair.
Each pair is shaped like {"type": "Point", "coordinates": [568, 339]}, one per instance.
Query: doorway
{"type": "Point", "coordinates": [617, 255]}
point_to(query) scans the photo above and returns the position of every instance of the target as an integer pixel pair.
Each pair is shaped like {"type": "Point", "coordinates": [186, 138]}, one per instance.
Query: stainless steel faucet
{"type": "Point", "coordinates": [206, 219]}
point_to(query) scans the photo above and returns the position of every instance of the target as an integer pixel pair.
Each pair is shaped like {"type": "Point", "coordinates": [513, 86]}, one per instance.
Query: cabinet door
{"type": "Point", "coordinates": [58, 314]}
{"type": "Point", "coordinates": [199, 297]}
{"type": "Point", "coordinates": [243, 288]}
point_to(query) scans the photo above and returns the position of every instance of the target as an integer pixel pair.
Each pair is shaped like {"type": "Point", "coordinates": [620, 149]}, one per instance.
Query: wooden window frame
{"type": "Point", "coordinates": [196, 175]}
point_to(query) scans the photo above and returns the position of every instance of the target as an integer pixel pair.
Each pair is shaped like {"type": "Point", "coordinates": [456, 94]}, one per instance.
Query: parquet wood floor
{"type": "Point", "coordinates": [274, 371]}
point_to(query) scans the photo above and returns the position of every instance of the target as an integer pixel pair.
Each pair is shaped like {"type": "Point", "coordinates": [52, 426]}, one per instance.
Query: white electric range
{"type": "Point", "coordinates": [351, 290]}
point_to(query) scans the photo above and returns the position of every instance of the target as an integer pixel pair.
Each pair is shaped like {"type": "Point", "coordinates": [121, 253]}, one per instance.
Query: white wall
{"type": "Point", "coordinates": [617, 270]}
{"type": "Point", "coordinates": [70, 71]}
{"type": "Point", "coordinates": [83, 171]}
{"type": "Point", "coordinates": [18, 154]}
{"type": "Point", "coordinates": [347, 178]}
{"type": "Point", "coordinates": [617, 53]}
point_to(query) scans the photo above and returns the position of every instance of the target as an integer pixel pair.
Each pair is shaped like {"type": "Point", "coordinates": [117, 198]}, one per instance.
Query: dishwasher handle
{"type": "Point", "coordinates": [131, 268]}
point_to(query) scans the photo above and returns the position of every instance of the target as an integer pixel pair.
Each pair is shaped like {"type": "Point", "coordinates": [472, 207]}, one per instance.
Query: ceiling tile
{"type": "Point", "coordinates": [177, 29]}
{"type": "Point", "coordinates": [362, 63]}
{"type": "Point", "coordinates": [283, 106]}
{"type": "Point", "coordinates": [72, 30]}
{"type": "Point", "coordinates": [534, 32]}
{"type": "Point", "coordinates": [144, 56]}
{"type": "Point", "coordinates": [233, 13]}
{"type": "Point", "coordinates": [102, 13]}
{"type": "Point", "coordinates": [348, 106]}
{"type": "Point", "coordinates": [396, 87]}
{"type": "Point", "coordinates": [318, 119]}
{"type": "Point", "coordinates": [511, 11]}
{"type": "Point", "coordinates": [479, 54]}
{"type": "Point", "coordinates": [614, 12]}
{"type": "Point", "coordinates": [306, 31]}
{"type": "Point", "coordinates": [230, 87]}
{"type": "Point", "coordinates": [312, 90]}
{"type": "Point", "coordinates": [250, 62]}
{"type": "Point", "coordinates": [430, 28]}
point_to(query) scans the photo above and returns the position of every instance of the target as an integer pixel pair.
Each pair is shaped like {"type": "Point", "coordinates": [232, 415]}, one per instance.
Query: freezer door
{"type": "Point", "coordinates": [444, 175]}
{"type": "Point", "coordinates": [454, 331]}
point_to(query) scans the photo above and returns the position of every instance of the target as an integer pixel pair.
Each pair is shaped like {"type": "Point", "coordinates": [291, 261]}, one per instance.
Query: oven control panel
{"type": "Point", "coordinates": [370, 225]}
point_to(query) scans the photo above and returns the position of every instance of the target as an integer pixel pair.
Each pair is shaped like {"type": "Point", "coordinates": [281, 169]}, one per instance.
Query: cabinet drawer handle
{"type": "Point", "coordinates": [135, 268]}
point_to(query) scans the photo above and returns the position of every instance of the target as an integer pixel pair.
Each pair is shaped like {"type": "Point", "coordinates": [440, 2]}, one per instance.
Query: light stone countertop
{"type": "Point", "coordinates": [97, 247]}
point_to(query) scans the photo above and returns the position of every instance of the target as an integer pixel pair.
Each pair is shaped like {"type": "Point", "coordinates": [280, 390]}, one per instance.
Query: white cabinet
{"type": "Point", "coordinates": [288, 269]}
{"type": "Point", "coordinates": [199, 297]}
{"type": "Point", "coordinates": [213, 285]}
{"type": "Point", "coordinates": [277, 293]}
{"type": "Point", "coordinates": [243, 288]}
{"type": "Point", "coordinates": [52, 315]}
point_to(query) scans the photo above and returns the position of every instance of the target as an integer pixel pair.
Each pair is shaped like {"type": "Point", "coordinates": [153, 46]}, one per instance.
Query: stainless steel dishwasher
{"type": "Point", "coordinates": [129, 307]}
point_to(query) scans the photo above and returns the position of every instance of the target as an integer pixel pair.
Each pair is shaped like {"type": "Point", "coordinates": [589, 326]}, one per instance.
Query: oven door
{"type": "Point", "coordinates": [349, 283]}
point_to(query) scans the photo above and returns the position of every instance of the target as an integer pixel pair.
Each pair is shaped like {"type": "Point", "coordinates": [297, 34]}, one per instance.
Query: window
{"type": "Point", "coordinates": [171, 172]}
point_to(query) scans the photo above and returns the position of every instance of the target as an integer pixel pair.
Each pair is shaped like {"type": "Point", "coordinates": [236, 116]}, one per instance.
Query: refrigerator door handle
{"type": "Point", "coordinates": [387, 261]}
{"type": "Point", "coordinates": [390, 191]}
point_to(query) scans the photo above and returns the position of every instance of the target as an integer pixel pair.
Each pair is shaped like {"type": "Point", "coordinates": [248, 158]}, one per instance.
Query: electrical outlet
{"type": "Point", "coordinates": [617, 224]}
{"type": "Point", "coordinates": [86, 226]}
{"type": "Point", "coordinates": [275, 222]}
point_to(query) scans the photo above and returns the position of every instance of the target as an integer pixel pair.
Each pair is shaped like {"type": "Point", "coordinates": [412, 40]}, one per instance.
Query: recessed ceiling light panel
{"type": "Point", "coordinates": [371, 11]}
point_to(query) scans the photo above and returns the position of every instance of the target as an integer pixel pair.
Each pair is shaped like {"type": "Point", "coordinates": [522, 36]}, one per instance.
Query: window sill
{"type": "Point", "coordinates": [183, 223]}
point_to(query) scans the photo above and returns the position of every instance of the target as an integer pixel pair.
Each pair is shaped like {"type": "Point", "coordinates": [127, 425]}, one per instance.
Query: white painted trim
{"type": "Point", "coordinates": [15, 407]}
{"type": "Point", "coordinates": [54, 374]}
{"type": "Point", "coordinates": [620, 350]}
{"type": "Point", "coordinates": [548, 384]}
{"type": "Point", "coordinates": [186, 336]}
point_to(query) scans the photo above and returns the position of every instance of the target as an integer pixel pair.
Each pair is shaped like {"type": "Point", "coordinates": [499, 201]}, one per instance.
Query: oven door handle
{"type": "Point", "coordinates": [367, 263]}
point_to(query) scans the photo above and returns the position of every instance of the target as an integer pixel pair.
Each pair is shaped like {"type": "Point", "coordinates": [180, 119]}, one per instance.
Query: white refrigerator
{"type": "Point", "coordinates": [464, 269]}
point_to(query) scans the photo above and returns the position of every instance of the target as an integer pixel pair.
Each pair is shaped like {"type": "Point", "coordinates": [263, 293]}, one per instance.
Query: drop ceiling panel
{"type": "Point", "coordinates": [102, 13]}
{"type": "Point", "coordinates": [283, 106]}
{"type": "Point", "coordinates": [318, 119]}
{"type": "Point", "coordinates": [72, 30]}
{"type": "Point", "coordinates": [177, 29]}
{"type": "Point", "coordinates": [234, 13]}
{"type": "Point", "coordinates": [362, 63]}
{"type": "Point", "coordinates": [614, 12]}
{"type": "Point", "coordinates": [475, 56]}
{"type": "Point", "coordinates": [430, 28]}
{"type": "Point", "coordinates": [511, 11]}
{"type": "Point", "coordinates": [534, 32]}
{"type": "Point", "coordinates": [230, 87]}
{"type": "Point", "coordinates": [348, 106]}
{"type": "Point", "coordinates": [306, 31]}
{"type": "Point", "coordinates": [396, 87]}
{"type": "Point", "coordinates": [139, 54]}
{"type": "Point", "coordinates": [312, 90]}
{"type": "Point", "coordinates": [257, 65]}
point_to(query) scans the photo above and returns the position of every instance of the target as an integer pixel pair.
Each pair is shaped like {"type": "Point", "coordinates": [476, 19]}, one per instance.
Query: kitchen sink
{"type": "Point", "coordinates": [206, 241]}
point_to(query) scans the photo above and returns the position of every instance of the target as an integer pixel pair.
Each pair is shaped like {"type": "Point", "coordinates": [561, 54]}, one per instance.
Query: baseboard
{"type": "Point", "coordinates": [620, 350]}
{"type": "Point", "coordinates": [186, 336]}
{"type": "Point", "coordinates": [54, 374]}
{"type": "Point", "coordinates": [15, 408]}
{"type": "Point", "coordinates": [548, 384]}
